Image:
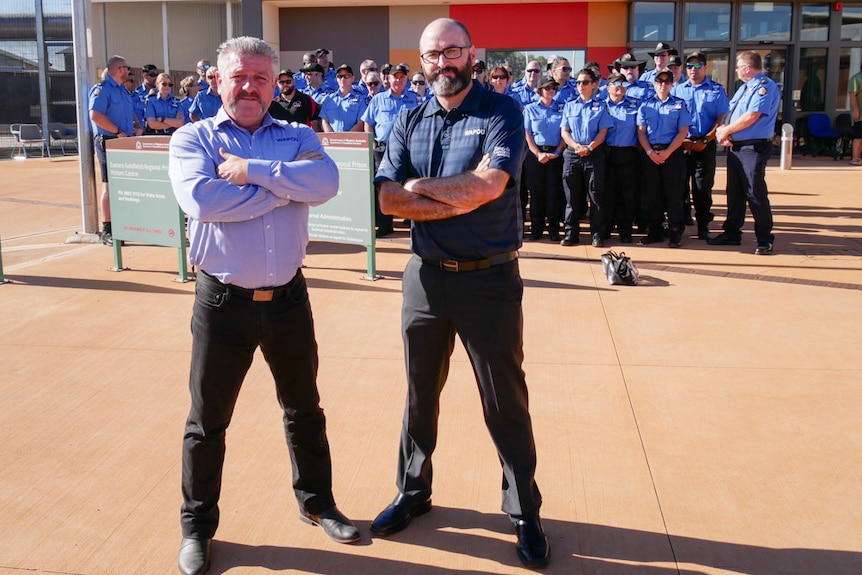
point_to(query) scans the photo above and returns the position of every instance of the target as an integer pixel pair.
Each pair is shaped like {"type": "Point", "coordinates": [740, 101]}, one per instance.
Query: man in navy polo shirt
{"type": "Point", "coordinates": [450, 167]}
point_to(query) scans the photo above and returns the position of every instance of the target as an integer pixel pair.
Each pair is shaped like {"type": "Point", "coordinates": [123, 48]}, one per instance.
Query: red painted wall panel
{"type": "Point", "coordinates": [541, 26]}
{"type": "Point", "coordinates": [605, 56]}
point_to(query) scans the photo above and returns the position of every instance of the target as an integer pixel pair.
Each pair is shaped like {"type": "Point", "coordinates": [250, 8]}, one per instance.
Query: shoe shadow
{"type": "Point", "coordinates": [576, 548]}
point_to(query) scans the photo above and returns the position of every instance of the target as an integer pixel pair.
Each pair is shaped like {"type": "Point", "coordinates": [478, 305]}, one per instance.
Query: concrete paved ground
{"type": "Point", "coordinates": [704, 422]}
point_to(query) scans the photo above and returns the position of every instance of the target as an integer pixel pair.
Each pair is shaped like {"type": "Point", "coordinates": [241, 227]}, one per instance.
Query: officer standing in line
{"type": "Point", "coordinates": [379, 119]}
{"type": "Point", "coordinates": [622, 162]}
{"type": "Point", "coordinates": [629, 67]}
{"type": "Point", "coordinates": [661, 58]}
{"type": "Point", "coordinates": [112, 116]}
{"type": "Point", "coordinates": [663, 123]}
{"type": "Point", "coordinates": [754, 110]}
{"type": "Point", "coordinates": [342, 110]}
{"type": "Point", "coordinates": [208, 102]}
{"type": "Point", "coordinates": [585, 124]}
{"type": "Point", "coordinates": [707, 102]}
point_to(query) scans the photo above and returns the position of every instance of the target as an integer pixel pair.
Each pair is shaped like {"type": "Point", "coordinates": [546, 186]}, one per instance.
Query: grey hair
{"type": "Point", "coordinates": [246, 46]}
{"type": "Point", "coordinates": [113, 62]}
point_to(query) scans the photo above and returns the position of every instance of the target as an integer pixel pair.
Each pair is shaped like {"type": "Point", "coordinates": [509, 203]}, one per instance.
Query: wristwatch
{"type": "Point", "coordinates": [118, 132]}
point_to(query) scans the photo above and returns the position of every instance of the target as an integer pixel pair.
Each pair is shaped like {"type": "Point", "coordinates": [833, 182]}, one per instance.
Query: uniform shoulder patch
{"type": "Point", "coordinates": [762, 91]}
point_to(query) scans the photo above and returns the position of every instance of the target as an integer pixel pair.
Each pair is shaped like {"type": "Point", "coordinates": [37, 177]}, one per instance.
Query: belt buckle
{"type": "Point", "coordinates": [262, 295]}
{"type": "Point", "coordinates": [449, 265]}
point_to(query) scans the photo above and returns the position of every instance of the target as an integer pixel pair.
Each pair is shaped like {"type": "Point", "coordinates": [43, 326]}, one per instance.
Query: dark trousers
{"type": "Point", "coordinates": [484, 308]}
{"type": "Point", "coordinates": [746, 184]}
{"type": "Point", "coordinates": [383, 221]}
{"type": "Point", "coordinates": [700, 176]}
{"type": "Point", "coordinates": [226, 331]}
{"type": "Point", "coordinates": [545, 182]}
{"type": "Point", "coordinates": [622, 182]}
{"type": "Point", "coordinates": [584, 176]}
{"type": "Point", "coordinates": [663, 191]}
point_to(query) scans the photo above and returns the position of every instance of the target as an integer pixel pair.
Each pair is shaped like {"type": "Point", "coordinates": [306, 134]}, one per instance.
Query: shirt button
{"type": "Point", "coordinates": [270, 250]}
{"type": "Point", "coordinates": [268, 226]}
{"type": "Point", "coordinates": [270, 275]}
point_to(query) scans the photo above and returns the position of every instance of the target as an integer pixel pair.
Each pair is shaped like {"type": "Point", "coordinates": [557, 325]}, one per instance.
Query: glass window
{"type": "Point", "coordinates": [518, 59]}
{"type": "Point", "coordinates": [765, 22]}
{"type": "Point", "coordinates": [849, 65]}
{"type": "Point", "coordinates": [815, 23]}
{"type": "Point", "coordinates": [653, 22]}
{"type": "Point", "coordinates": [707, 21]}
{"type": "Point", "coordinates": [811, 80]}
{"type": "Point", "coordinates": [851, 22]}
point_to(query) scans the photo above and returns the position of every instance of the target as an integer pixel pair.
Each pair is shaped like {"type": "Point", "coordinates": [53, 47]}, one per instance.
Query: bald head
{"type": "Point", "coordinates": [444, 28]}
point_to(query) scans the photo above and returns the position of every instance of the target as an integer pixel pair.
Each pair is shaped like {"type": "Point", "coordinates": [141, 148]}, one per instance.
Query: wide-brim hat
{"type": "Point", "coordinates": [312, 68]}
{"type": "Point", "coordinates": [663, 47]}
{"type": "Point", "coordinates": [628, 60]}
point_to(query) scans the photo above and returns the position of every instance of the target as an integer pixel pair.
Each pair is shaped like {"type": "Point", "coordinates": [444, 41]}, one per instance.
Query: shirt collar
{"type": "Point", "coordinates": [470, 103]}
{"type": "Point", "coordinates": [222, 118]}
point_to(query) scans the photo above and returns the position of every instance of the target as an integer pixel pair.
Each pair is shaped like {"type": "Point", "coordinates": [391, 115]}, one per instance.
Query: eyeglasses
{"type": "Point", "coordinates": [369, 84]}
{"type": "Point", "coordinates": [583, 82]}
{"type": "Point", "coordinates": [565, 68]}
{"type": "Point", "coordinates": [552, 88]}
{"type": "Point", "coordinates": [533, 71]}
{"type": "Point", "coordinates": [618, 84]}
{"type": "Point", "coordinates": [204, 67]}
{"type": "Point", "coordinates": [694, 66]}
{"type": "Point", "coordinates": [210, 77]}
{"type": "Point", "coordinates": [369, 69]}
{"type": "Point", "coordinates": [499, 77]}
{"type": "Point", "coordinates": [663, 81]}
{"type": "Point", "coordinates": [418, 82]}
{"type": "Point", "coordinates": [153, 75]}
{"type": "Point", "coordinates": [343, 76]}
{"type": "Point", "coordinates": [168, 84]}
{"type": "Point", "coordinates": [451, 53]}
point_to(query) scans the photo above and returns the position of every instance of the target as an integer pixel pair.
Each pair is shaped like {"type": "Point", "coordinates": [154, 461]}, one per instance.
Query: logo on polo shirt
{"type": "Point", "coordinates": [501, 151]}
{"type": "Point", "coordinates": [475, 132]}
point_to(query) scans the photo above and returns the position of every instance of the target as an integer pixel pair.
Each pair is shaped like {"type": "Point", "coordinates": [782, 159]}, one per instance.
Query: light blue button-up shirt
{"type": "Point", "coordinates": [206, 104]}
{"type": "Point", "coordinates": [663, 119]}
{"type": "Point", "coordinates": [255, 235]}
{"type": "Point", "coordinates": [384, 108]}
{"type": "Point", "coordinates": [343, 112]}
{"type": "Point", "coordinates": [115, 102]}
{"type": "Point", "coordinates": [760, 94]}
{"type": "Point", "coordinates": [586, 119]}
{"type": "Point", "coordinates": [624, 132]}
{"type": "Point", "coordinates": [706, 102]}
{"type": "Point", "coordinates": [543, 122]}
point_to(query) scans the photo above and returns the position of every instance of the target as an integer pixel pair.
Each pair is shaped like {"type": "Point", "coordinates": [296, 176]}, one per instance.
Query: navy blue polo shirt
{"type": "Point", "coordinates": [429, 142]}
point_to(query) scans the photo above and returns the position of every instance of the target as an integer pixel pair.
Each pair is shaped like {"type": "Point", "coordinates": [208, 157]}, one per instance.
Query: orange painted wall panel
{"type": "Point", "coordinates": [608, 24]}
{"type": "Point", "coordinates": [503, 26]}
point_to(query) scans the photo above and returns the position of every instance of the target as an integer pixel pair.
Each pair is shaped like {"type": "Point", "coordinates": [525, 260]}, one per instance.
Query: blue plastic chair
{"type": "Point", "coordinates": [821, 135]}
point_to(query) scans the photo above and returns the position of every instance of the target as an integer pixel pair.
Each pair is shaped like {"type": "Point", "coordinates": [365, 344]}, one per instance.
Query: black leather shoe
{"type": "Point", "coordinates": [675, 240]}
{"type": "Point", "coordinates": [648, 239]}
{"type": "Point", "coordinates": [598, 242]}
{"type": "Point", "coordinates": [763, 249]}
{"type": "Point", "coordinates": [383, 232]}
{"type": "Point", "coordinates": [570, 239]}
{"type": "Point", "coordinates": [554, 236]}
{"type": "Point", "coordinates": [194, 558]}
{"type": "Point", "coordinates": [724, 240]}
{"type": "Point", "coordinates": [625, 239]}
{"type": "Point", "coordinates": [703, 233]}
{"type": "Point", "coordinates": [399, 513]}
{"type": "Point", "coordinates": [533, 547]}
{"type": "Point", "coordinates": [334, 524]}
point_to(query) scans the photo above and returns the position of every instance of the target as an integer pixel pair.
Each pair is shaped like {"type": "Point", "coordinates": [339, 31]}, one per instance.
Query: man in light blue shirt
{"type": "Point", "coordinates": [246, 182]}
{"type": "Point", "coordinates": [342, 110]}
{"type": "Point", "coordinates": [207, 102]}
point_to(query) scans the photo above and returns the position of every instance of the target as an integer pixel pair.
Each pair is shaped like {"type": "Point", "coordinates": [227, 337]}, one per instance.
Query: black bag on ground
{"type": "Point", "coordinates": [619, 268]}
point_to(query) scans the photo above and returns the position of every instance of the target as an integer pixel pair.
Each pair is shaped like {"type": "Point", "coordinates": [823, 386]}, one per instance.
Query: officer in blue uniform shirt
{"type": "Point", "coordinates": [112, 116]}
{"type": "Point", "coordinates": [299, 80]}
{"type": "Point", "coordinates": [543, 166]}
{"type": "Point", "coordinates": [450, 168]}
{"type": "Point", "coordinates": [707, 102]}
{"type": "Point", "coordinates": [379, 118]}
{"type": "Point", "coordinates": [328, 71]}
{"type": "Point", "coordinates": [753, 113]}
{"type": "Point", "coordinates": [585, 125]}
{"type": "Point", "coordinates": [661, 58]}
{"type": "Point", "coordinates": [164, 114]}
{"type": "Point", "coordinates": [562, 73]}
{"type": "Point", "coordinates": [663, 122]}
{"type": "Point", "coordinates": [630, 68]}
{"type": "Point", "coordinates": [622, 159]}
{"type": "Point", "coordinates": [315, 87]}
{"type": "Point", "coordinates": [208, 102]}
{"type": "Point", "coordinates": [342, 110]}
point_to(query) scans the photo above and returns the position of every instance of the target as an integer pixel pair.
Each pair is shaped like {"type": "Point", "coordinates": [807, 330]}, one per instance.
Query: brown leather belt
{"type": "Point", "coordinates": [472, 265]}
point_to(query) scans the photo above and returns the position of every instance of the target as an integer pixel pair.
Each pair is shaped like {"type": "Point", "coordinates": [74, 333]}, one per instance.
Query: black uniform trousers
{"type": "Point", "coordinates": [383, 221]}
{"type": "Point", "coordinates": [700, 176]}
{"type": "Point", "coordinates": [483, 308]}
{"type": "Point", "coordinates": [663, 192]}
{"type": "Point", "coordinates": [746, 184]}
{"type": "Point", "coordinates": [226, 331]}
{"type": "Point", "coordinates": [622, 182]}
{"type": "Point", "coordinates": [547, 199]}
{"type": "Point", "coordinates": [584, 176]}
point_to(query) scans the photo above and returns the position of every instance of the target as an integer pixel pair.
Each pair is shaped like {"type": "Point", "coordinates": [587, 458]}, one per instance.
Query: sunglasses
{"type": "Point", "coordinates": [153, 75]}
{"type": "Point", "coordinates": [288, 81]}
{"type": "Point", "coordinates": [204, 67]}
{"type": "Point", "coordinates": [344, 76]}
{"type": "Point", "coordinates": [499, 77]}
{"type": "Point", "coordinates": [418, 82]}
{"type": "Point", "coordinates": [370, 69]}
{"type": "Point", "coordinates": [372, 83]}
{"type": "Point", "coordinates": [168, 84]}
{"type": "Point", "coordinates": [532, 71]}
{"type": "Point", "coordinates": [618, 84]}
{"type": "Point", "coordinates": [565, 68]}
{"type": "Point", "coordinates": [694, 66]}
{"type": "Point", "coordinates": [583, 82]}
{"type": "Point", "coordinates": [663, 81]}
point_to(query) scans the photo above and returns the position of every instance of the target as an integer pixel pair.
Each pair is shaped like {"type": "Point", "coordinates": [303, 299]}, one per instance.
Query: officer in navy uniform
{"type": "Point", "coordinates": [585, 125]}
{"type": "Point", "coordinates": [342, 110]}
{"type": "Point", "coordinates": [707, 102]}
{"type": "Point", "coordinates": [663, 122]}
{"type": "Point", "coordinates": [753, 113]}
{"type": "Point", "coordinates": [451, 167]}
{"type": "Point", "coordinates": [379, 118]}
{"type": "Point", "coordinates": [622, 162]}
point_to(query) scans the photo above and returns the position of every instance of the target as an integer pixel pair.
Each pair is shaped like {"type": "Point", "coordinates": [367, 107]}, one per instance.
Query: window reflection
{"type": "Point", "coordinates": [708, 21]}
{"type": "Point", "coordinates": [850, 64]}
{"type": "Point", "coordinates": [653, 22]}
{"type": "Point", "coordinates": [815, 23]}
{"type": "Point", "coordinates": [811, 80]}
{"type": "Point", "coordinates": [851, 22]}
{"type": "Point", "coordinates": [765, 22]}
